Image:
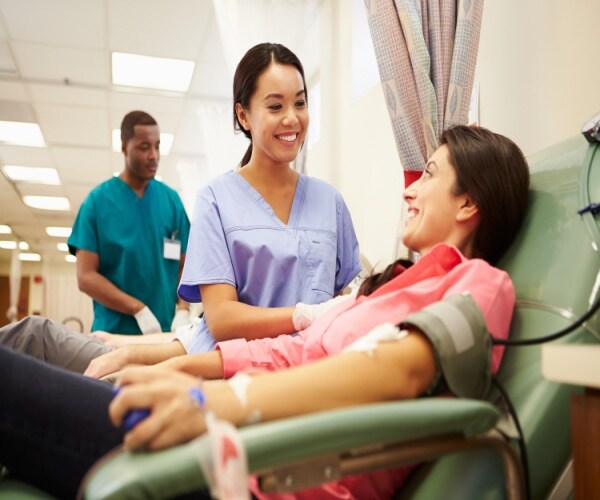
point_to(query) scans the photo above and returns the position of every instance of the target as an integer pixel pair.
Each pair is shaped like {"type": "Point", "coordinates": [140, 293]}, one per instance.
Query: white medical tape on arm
{"type": "Point", "coordinates": [381, 333]}
{"type": "Point", "coordinates": [239, 384]}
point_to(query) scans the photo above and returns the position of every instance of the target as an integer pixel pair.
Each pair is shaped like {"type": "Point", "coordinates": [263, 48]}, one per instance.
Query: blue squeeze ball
{"type": "Point", "coordinates": [132, 417]}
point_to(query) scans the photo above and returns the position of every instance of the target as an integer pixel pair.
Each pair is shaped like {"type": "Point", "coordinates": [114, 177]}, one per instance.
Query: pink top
{"type": "Point", "coordinates": [443, 271]}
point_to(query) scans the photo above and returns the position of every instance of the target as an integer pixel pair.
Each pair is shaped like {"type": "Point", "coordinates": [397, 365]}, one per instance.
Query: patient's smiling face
{"type": "Point", "coordinates": [434, 210]}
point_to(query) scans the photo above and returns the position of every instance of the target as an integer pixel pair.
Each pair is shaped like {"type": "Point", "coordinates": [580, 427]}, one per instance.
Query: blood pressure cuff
{"type": "Point", "coordinates": [461, 341]}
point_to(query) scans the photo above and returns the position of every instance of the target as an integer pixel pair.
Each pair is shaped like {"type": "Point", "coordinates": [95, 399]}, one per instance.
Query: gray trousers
{"type": "Point", "coordinates": [52, 342]}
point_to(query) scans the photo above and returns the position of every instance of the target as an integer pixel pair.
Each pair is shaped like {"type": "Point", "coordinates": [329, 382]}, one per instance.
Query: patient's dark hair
{"type": "Point", "coordinates": [130, 120]}
{"type": "Point", "coordinates": [247, 73]}
{"type": "Point", "coordinates": [493, 171]}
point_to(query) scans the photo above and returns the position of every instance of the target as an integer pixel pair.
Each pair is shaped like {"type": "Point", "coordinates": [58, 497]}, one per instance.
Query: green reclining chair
{"type": "Point", "coordinates": [554, 264]}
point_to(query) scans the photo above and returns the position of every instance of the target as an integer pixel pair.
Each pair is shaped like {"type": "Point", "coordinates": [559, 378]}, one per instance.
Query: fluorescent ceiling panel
{"type": "Point", "coordinates": [4, 229]}
{"type": "Point", "coordinates": [161, 73]}
{"type": "Point", "coordinates": [63, 247]}
{"type": "Point", "coordinates": [70, 258]}
{"type": "Point", "coordinates": [60, 232]}
{"type": "Point", "coordinates": [31, 257]}
{"type": "Point", "coordinates": [166, 141]}
{"type": "Point", "coordinates": [8, 245]}
{"type": "Point", "coordinates": [47, 202]}
{"type": "Point", "coordinates": [32, 174]}
{"type": "Point", "coordinates": [21, 134]}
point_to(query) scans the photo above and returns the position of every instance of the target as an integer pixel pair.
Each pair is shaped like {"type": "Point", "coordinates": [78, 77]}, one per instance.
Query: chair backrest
{"type": "Point", "coordinates": [554, 264]}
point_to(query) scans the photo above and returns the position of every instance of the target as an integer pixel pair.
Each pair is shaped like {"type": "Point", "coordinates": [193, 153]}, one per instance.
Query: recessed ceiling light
{"type": "Point", "coordinates": [23, 245]}
{"type": "Point", "coordinates": [151, 72]}
{"type": "Point", "coordinates": [70, 258]}
{"type": "Point", "coordinates": [166, 141]}
{"type": "Point", "coordinates": [60, 232]}
{"type": "Point", "coordinates": [47, 202]}
{"type": "Point", "coordinates": [31, 257]}
{"type": "Point", "coordinates": [4, 229]}
{"type": "Point", "coordinates": [63, 247]}
{"type": "Point", "coordinates": [21, 134]}
{"type": "Point", "coordinates": [32, 174]}
{"type": "Point", "coordinates": [8, 245]}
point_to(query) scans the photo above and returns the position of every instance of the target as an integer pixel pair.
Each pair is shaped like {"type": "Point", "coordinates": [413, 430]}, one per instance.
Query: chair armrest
{"type": "Point", "coordinates": [176, 470]}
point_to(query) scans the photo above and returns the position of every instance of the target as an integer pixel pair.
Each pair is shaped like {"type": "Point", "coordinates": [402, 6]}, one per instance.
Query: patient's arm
{"type": "Point", "coordinates": [207, 365]}
{"type": "Point", "coordinates": [401, 369]}
{"type": "Point", "coordinates": [133, 354]}
{"type": "Point", "coordinates": [118, 340]}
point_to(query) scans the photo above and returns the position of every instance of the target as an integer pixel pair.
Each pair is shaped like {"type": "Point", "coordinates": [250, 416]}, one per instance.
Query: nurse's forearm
{"type": "Point", "coordinates": [102, 290]}
{"type": "Point", "coordinates": [233, 320]}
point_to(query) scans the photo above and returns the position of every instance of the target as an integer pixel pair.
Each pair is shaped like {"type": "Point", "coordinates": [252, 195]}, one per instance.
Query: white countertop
{"type": "Point", "coordinates": [572, 364]}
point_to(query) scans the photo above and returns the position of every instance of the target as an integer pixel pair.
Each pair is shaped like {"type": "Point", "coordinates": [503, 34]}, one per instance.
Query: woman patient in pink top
{"type": "Point", "coordinates": [464, 212]}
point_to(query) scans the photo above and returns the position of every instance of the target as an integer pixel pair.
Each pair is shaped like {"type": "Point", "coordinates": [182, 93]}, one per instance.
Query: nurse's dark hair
{"type": "Point", "coordinates": [493, 171]}
{"type": "Point", "coordinates": [130, 120]}
{"type": "Point", "coordinates": [247, 73]}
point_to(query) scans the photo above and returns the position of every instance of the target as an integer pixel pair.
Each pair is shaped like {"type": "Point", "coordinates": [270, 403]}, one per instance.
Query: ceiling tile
{"type": "Point", "coordinates": [167, 29]}
{"type": "Point", "coordinates": [66, 94]}
{"type": "Point", "coordinates": [59, 22]}
{"type": "Point", "coordinates": [123, 102]}
{"type": "Point", "coordinates": [48, 64]}
{"type": "Point", "coordinates": [27, 189]}
{"type": "Point", "coordinates": [13, 91]}
{"type": "Point", "coordinates": [26, 157]}
{"type": "Point", "coordinates": [63, 125]}
{"type": "Point", "coordinates": [82, 166]}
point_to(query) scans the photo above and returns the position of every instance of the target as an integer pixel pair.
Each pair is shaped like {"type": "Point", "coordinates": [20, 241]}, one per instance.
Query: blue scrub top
{"type": "Point", "coordinates": [237, 239]}
{"type": "Point", "coordinates": [127, 232]}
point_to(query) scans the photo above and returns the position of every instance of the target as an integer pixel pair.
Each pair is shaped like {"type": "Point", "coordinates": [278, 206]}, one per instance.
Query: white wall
{"type": "Point", "coordinates": [539, 69]}
{"type": "Point", "coordinates": [357, 152]}
{"type": "Point", "coordinates": [539, 75]}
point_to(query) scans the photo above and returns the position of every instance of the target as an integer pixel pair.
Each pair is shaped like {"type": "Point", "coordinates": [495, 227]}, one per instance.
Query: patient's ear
{"type": "Point", "coordinates": [468, 210]}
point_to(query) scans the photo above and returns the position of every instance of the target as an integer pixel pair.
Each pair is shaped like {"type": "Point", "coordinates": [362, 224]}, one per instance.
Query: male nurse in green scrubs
{"type": "Point", "coordinates": [130, 238]}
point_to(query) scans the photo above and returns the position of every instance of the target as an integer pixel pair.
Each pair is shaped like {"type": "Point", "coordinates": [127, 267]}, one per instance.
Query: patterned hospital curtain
{"type": "Point", "coordinates": [426, 53]}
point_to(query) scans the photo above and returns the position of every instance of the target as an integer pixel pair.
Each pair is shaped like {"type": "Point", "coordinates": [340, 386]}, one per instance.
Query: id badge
{"type": "Point", "coordinates": [171, 249]}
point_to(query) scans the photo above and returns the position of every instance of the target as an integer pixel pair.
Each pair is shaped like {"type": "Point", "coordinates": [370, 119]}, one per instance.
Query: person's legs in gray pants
{"type": "Point", "coordinates": [52, 342]}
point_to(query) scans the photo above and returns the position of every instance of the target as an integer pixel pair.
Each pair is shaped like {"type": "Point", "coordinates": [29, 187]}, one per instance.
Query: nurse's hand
{"type": "Point", "coordinates": [305, 314]}
{"type": "Point", "coordinates": [175, 417]}
{"type": "Point", "coordinates": [147, 321]}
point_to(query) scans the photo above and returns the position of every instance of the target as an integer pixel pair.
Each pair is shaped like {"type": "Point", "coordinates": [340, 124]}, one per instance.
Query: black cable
{"type": "Point", "coordinates": [553, 336]}
{"type": "Point", "coordinates": [521, 438]}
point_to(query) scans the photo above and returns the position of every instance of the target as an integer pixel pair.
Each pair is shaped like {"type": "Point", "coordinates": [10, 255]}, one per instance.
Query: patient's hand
{"type": "Point", "coordinates": [118, 340]}
{"type": "Point", "coordinates": [110, 362]}
{"type": "Point", "coordinates": [174, 417]}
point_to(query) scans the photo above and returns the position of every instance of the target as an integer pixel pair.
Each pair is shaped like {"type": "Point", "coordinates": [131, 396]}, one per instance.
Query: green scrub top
{"type": "Point", "coordinates": [128, 234]}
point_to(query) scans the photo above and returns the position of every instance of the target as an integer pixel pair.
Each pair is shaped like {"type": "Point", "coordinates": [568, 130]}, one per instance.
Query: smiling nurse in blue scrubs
{"type": "Point", "coordinates": [265, 237]}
